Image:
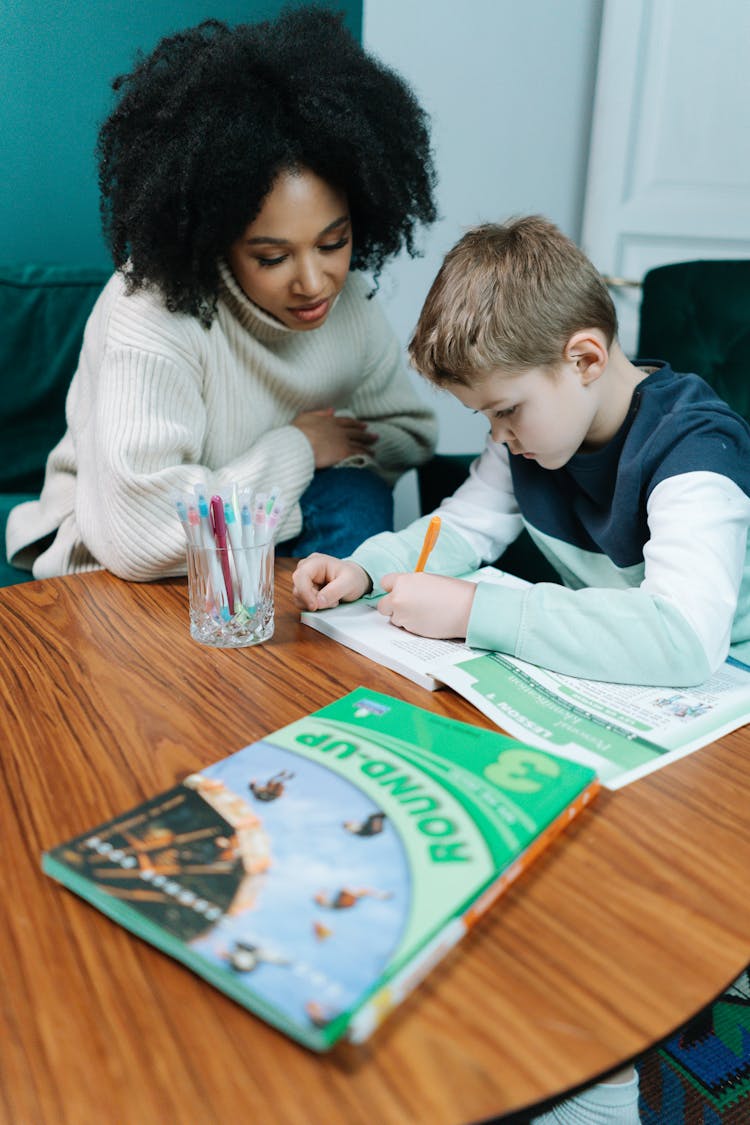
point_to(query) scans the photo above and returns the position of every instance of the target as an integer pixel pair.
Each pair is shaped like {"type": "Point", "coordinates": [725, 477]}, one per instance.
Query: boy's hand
{"type": "Point", "coordinates": [321, 582]}
{"type": "Point", "coordinates": [429, 605]}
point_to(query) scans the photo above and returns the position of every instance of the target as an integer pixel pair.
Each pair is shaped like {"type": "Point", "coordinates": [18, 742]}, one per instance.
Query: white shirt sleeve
{"type": "Point", "coordinates": [695, 556]}
{"type": "Point", "coordinates": [484, 509]}
{"type": "Point", "coordinates": [674, 629]}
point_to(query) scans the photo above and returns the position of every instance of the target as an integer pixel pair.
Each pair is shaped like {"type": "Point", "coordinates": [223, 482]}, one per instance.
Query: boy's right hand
{"type": "Point", "coordinates": [322, 581]}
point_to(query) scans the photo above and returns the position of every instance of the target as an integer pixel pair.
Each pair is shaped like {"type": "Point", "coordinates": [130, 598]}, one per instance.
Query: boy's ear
{"type": "Point", "coordinates": [588, 352]}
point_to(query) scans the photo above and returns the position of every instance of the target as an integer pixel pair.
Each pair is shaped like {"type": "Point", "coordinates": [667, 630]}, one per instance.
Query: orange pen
{"type": "Point", "coordinates": [430, 539]}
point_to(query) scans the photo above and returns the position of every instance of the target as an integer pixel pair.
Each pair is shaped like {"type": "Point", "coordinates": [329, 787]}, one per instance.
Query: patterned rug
{"type": "Point", "coordinates": [701, 1075]}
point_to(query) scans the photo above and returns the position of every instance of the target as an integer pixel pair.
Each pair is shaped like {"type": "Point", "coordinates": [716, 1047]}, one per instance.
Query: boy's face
{"type": "Point", "coordinates": [542, 414]}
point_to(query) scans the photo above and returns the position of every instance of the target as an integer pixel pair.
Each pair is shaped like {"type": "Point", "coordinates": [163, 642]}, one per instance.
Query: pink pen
{"type": "Point", "coordinates": [220, 534]}
{"type": "Point", "coordinates": [259, 517]}
{"type": "Point", "coordinates": [194, 523]}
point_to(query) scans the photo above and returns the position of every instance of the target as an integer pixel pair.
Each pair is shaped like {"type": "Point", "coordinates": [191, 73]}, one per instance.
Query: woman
{"type": "Point", "coordinates": [244, 173]}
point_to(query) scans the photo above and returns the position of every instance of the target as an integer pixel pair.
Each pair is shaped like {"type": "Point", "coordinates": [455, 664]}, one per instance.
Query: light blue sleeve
{"type": "Point", "coordinates": [396, 552]}
{"type": "Point", "coordinates": [621, 636]}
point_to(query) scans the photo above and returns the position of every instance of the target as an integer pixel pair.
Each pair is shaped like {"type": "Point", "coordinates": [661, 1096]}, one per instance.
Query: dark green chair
{"type": "Point", "coordinates": [696, 315]}
{"type": "Point", "coordinates": [43, 311]}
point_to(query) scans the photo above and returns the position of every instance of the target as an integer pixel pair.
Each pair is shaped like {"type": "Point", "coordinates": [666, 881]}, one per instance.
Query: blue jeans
{"type": "Point", "coordinates": [340, 509]}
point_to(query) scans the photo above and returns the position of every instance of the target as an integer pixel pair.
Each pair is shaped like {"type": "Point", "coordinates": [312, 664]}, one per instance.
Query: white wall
{"type": "Point", "coordinates": [509, 87]}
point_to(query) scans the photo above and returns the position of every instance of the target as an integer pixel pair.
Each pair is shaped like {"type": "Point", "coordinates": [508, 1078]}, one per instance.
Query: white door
{"type": "Point", "coordinates": [669, 165]}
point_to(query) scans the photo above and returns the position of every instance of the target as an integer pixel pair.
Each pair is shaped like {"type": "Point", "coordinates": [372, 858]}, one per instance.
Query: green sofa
{"type": "Point", "coordinates": [43, 311]}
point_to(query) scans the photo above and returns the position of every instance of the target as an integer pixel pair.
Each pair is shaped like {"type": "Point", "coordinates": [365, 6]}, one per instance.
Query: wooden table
{"type": "Point", "coordinates": [633, 921]}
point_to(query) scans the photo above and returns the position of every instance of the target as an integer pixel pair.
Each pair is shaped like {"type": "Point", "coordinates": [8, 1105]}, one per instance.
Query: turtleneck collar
{"type": "Point", "coordinates": [263, 326]}
{"type": "Point", "coordinates": [251, 316]}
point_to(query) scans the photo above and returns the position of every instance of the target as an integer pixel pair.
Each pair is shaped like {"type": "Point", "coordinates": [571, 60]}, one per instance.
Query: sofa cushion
{"type": "Point", "coordinates": [10, 575]}
{"type": "Point", "coordinates": [43, 311]}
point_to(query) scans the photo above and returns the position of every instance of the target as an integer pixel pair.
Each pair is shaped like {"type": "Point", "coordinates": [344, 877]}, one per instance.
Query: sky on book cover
{"type": "Point", "coordinates": [326, 916]}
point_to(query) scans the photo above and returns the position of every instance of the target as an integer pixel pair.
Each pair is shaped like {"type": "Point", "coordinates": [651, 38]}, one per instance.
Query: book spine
{"type": "Point", "coordinates": [527, 857]}
{"type": "Point", "coordinates": [392, 994]}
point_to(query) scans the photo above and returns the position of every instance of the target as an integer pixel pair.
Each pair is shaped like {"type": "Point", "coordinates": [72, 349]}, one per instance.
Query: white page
{"type": "Point", "coordinates": [359, 626]}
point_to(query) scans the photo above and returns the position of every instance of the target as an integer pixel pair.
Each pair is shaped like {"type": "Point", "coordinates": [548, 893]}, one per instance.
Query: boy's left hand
{"type": "Point", "coordinates": [429, 605]}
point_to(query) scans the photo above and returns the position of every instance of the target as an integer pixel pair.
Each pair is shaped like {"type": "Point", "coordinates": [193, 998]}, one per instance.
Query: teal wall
{"type": "Point", "coordinates": [57, 61]}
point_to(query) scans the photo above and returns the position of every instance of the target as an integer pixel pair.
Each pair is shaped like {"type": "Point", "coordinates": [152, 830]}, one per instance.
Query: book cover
{"type": "Point", "coordinates": [317, 875]}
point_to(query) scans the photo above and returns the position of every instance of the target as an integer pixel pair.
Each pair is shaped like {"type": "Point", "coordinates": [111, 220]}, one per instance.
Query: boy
{"type": "Point", "coordinates": [633, 481]}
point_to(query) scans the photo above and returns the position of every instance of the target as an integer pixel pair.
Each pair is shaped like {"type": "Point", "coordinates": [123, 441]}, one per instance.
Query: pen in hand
{"type": "Point", "coordinates": [430, 539]}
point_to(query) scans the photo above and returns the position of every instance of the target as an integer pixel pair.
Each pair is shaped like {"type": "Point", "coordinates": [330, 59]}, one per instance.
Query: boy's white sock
{"type": "Point", "coordinates": [606, 1103]}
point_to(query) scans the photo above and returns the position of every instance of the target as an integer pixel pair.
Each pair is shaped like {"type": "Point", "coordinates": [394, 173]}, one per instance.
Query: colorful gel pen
{"type": "Point", "coordinates": [244, 500]}
{"type": "Point", "coordinates": [274, 517]}
{"type": "Point", "coordinates": [259, 517]}
{"type": "Point", "coordinates": [195, 540]}
{"type": "Point", "coordinates": [188, 526]}
{"type": "Point", "coordinates": [219, 525]}
{"type": "Point", "coordinates": [209, 545]}
{"type": "Point", "coordinates": [430, 539]}
{"type": "Point", "coordinates": [240, 562]}
{"type": "Point", "coordinates": [194, 521]}
{"type": "Point", "coordinates": [272, 500]}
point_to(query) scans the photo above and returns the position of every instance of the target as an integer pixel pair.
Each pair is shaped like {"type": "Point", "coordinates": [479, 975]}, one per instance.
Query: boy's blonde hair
{"type": "Point", "coordinates": [508, 297]}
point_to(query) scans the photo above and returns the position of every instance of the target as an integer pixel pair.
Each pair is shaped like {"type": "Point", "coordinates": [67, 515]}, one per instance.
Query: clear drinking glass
{"type": "Point", "coordinates": [231, 595]}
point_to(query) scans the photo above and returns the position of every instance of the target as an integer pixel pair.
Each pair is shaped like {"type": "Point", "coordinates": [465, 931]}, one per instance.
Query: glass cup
{"type": "Point", "coordinates": [231, 595]}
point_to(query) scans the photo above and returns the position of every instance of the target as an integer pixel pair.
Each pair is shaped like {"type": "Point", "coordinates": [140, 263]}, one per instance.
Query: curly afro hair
{"type": "Point", "coordinates": [205, 124]}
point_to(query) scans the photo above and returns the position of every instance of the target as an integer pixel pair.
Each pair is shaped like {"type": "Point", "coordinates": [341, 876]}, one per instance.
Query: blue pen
{"type": "Point", "coordinates": [182, 512]}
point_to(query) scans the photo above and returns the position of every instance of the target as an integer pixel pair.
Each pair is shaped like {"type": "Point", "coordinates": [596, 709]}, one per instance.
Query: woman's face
{"type": "Point", "coordinates": [293, 259]}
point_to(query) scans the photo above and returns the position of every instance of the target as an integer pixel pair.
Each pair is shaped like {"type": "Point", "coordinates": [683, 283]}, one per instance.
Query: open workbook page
{"type": "Point", "coordinates": [358, 626]}
{"type": "Point", "coordinates": [623, 731]}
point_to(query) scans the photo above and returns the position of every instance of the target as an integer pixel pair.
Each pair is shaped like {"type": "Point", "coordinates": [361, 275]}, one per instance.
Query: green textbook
{"type": "Point", "coordinates": [317, 875]}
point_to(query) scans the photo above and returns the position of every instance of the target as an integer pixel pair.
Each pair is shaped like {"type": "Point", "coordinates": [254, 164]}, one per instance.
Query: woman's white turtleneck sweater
{"type": "Point", "coordinates": [159, 403]}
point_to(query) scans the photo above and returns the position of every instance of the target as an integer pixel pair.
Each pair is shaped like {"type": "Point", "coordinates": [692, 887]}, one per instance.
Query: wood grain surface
{"type": "Point", "coordinates": [636, 918]}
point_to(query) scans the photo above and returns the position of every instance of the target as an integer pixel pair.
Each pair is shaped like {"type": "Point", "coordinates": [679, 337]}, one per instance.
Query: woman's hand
{"type": "Point", "coordinates": [429, 605]}
{"type": "Point", "coordinates": [334, 437]}
{"type": "Point", "coordinates": [321, 581]}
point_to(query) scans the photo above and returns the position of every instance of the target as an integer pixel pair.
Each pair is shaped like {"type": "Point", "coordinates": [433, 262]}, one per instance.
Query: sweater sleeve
{"type": "Point", "coordinates": [672, 630]}
{"type": "Point", "coordinates": [143, 441]}
{"type": "Point", "coordinates": [386, 399]}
